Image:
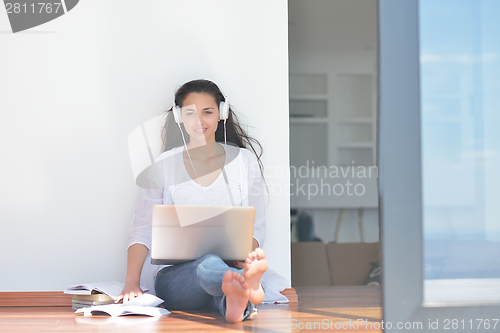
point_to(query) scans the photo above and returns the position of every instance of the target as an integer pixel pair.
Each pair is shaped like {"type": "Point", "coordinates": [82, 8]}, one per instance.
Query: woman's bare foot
{"type": "Point", "coordinates": [255, 266]}
{"type": "Point", "coordinates": [236, 290]}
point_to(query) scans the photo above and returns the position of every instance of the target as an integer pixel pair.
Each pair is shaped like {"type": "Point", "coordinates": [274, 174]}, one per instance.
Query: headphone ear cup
{"type": "Point", "coordinates": [177, 113]}
{"type": "Point", "coordinates": [224, 109]}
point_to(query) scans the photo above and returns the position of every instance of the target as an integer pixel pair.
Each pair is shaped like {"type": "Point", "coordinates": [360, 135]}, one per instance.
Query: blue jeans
{"type": "Point", "coordinates": [195, 285]}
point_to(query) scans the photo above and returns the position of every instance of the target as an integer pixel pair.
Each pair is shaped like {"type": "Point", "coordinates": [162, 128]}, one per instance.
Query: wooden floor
{"type": "Point", "coordinates": [357, 308]}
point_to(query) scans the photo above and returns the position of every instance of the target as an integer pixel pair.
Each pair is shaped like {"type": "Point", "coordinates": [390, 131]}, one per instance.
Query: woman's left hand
{"type": "Point", "coordinates": [239, 264]}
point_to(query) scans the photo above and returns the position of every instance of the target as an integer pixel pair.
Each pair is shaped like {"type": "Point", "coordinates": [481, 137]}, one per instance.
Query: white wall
{"type": "Point", "coordinates": [74, 88]}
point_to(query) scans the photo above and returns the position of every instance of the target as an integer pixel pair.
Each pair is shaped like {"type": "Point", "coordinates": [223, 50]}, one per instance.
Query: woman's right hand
{"type": "Point", "coordinates": [129, 292]}
{"type": "Point", "coordinates": [137, 253]}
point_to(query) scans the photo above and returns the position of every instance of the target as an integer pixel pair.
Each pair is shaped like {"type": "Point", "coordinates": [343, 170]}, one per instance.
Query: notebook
{"type": "Point", "coordinates": [183, 233]}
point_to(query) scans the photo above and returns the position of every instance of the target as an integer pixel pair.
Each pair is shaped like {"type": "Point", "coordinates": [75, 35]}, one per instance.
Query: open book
{"type": "Point", "coordinates": [145, 304]}
{"type": "Point", "coordinates": [111, 288]}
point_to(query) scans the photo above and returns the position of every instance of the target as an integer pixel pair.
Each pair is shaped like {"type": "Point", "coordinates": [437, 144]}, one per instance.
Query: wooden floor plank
{"type": "Point", "coordinates": [39, 298]}
{"type": "Point", "coordinates": [326, 306]}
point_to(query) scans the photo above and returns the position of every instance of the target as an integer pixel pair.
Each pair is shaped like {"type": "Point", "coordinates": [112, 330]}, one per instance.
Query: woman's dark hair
{"type": "Point", "coordinates": [234, 133]}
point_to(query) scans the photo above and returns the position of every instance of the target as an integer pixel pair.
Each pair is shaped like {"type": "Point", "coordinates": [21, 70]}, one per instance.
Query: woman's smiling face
{"type": "Point", "coordinates": [200, 115]}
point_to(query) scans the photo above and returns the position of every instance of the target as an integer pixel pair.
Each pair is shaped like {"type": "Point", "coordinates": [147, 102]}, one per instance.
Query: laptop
{"type": "Point", "coordinates": [183, 233]}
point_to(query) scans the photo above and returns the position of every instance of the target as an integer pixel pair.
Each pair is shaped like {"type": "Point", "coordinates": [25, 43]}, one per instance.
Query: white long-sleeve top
{"type": "Point", "coordinates": [169, 183]}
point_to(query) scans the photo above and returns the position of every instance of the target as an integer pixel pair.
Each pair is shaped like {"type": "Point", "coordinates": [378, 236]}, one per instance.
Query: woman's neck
{"type": "Point", "coordinates": [204, 151]}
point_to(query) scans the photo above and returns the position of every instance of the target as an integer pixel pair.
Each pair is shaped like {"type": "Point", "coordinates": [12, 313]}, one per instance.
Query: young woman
{"type": "Point", "coordinates": [191, 175]}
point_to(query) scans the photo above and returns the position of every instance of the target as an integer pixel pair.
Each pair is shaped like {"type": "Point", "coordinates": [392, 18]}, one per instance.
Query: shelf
{"type": "Point", "coordinates": [308, 83]}
{"type": "Point", "coordinates": [348, 121]}
{"type": "Point", "coordinates": [354, 133]}
{"type": "Point", "coordinates": [309, 107]}
{"type": "Point", "coordinates": [355, 95]}
{"type": "Point", "coordinates": [308, 120]}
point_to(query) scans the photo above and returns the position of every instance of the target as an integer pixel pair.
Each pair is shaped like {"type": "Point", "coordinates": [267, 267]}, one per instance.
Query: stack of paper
{"type": "Point", "coordinates": [145, 305]}
{"type": "Point", "coordinates": [98, 298]}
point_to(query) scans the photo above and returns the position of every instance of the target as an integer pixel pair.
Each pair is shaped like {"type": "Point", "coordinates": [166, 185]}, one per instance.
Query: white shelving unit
{"type": "Point", "coordinates": [309, 119]}
{"type": "Point", "coordinates": [333, 62]}
{"type": "Point", "coordinates": [333, 126]}
{"type": "Point", "coordinates": [355, 120]}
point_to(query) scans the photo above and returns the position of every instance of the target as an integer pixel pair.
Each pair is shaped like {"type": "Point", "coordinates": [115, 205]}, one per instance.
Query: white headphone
{"type": "Point", "coordinates": [223, 115]}
{"type": "Point", "coordinates": [223, 111]}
